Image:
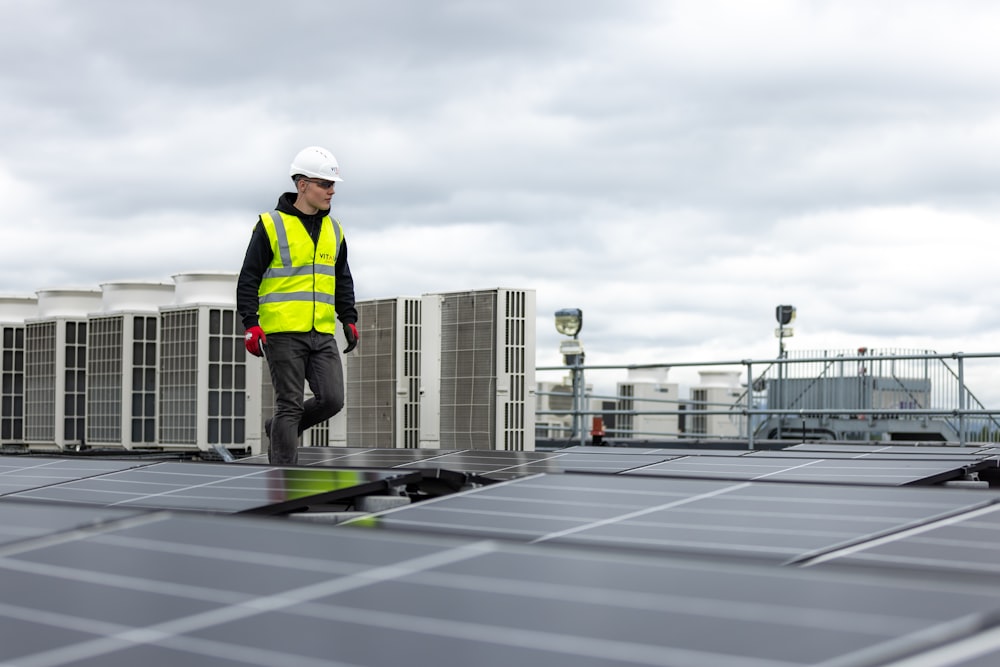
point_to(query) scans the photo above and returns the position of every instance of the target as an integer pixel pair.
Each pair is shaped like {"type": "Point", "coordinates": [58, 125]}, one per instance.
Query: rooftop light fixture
{"type": "Point", "coordinates": [569, 321]}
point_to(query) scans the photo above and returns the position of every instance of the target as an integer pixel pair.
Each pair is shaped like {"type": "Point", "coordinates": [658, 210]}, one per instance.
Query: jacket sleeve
{"type": "Point", "coordinates": [256, 261]}
{"type": "Point", "coordinates": [344, 297]}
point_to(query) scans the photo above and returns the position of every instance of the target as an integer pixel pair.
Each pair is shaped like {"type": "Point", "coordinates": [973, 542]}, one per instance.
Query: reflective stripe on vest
{"type": "Point", "coordinates": [297, 291]}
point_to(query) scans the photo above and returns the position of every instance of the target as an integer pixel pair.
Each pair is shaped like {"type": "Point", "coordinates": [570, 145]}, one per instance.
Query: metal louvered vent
{"type": "Point", "coordinates": [226, 379]}
{"type": "Point", "coordinates": [40, 382]}
{"type": "Point", "coordinates": [626, 406]}
{"type": "Point", "coordinates": [104, 375]}
{"type": "Point", "coordinates": [383, 375]}
{"type": "Point", "coordinates": [12, 385]}
{"type": "Point", "coordinates": [75, 376]}
{"type": "Point", "coordinates": [515, 409]}
{"type": "Point", "coordinates": [468, 370]}
{"type": "Point", "coordinates": [410, 382]}
{"type": "Point", "coordinates": [179, 377]}
{"type": "Point", "coordinates": [142, 419]}
{"type": "Point", "coordinates": [55, 382]}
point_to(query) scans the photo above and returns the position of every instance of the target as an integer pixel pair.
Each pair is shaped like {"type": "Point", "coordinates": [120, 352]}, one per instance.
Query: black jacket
{"type": "Point", "coordinates": [259, 257]}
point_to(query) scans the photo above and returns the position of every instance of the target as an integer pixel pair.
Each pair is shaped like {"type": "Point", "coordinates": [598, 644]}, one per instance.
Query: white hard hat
{"type": "Point", "coordinates": [316, 162]}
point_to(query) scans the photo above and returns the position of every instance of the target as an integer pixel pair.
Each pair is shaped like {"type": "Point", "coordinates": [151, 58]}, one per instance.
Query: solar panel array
{"type": "Point", "coordinates": [584, 556]}
{"type": "Point", "coordinates": [162, 589]}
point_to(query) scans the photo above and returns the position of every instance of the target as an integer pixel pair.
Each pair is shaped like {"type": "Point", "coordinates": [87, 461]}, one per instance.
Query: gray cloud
{"type": "Point", "coordinates": [674, 168]}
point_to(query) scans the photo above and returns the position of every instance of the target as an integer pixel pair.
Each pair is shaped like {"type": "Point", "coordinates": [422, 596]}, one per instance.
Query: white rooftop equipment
{"type": "Point", "coordinates": [13, 312]}
{"type": "Point", "coordinates": [716, 392]}
{"type": "Point", "coordinates": [383, 375]}
{"type": "Point", "coordinates": [204, 373]}
{"type": "Point", "coordinates": [644, 398]}
{"type": "Point", "coordinates": [122, 364]}
{"type": "Point", "coordinates": [478, 370]}
{"type": "Point", "coordinates": [55, 366]}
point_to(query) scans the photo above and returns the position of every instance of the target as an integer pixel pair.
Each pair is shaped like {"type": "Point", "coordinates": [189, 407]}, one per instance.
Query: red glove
{"type": "Point", "coordinates": [351, 332]}
{"type": "Point", "coordinates": [253, 340]}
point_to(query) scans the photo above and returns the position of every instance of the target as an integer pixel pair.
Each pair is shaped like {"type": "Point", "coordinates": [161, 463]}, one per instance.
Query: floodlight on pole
{"type": "Point", "coordinates": [569, 321]}
{"type": "Point", "coordinates": [785, 315]}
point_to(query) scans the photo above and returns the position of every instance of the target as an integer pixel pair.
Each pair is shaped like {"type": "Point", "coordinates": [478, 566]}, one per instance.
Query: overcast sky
{"type": "Point", "coordinates": [675, 169]}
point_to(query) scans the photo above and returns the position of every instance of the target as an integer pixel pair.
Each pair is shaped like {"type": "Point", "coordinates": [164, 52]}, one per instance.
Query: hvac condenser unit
{"type": "Point", "coordinates": [55, 368]}
{"type": "Point", "coordinates": [478, 370]}
{"type": "Point", "coordinates": [383, 375]}
{"type": "Point", "coordinates": [13, 312]}
{"type": "Point", "coordinates": [717, 391]}
{"type": "Point", "coordinates": [640, 399]}
{"type": "Point", "coordinates": [203, 369]}
{"type": "Point", "coordinates": [121, 364]}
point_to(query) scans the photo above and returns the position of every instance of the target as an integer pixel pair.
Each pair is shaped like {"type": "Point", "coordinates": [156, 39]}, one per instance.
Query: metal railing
{"type": "Point", "coordinates": [863, 395]}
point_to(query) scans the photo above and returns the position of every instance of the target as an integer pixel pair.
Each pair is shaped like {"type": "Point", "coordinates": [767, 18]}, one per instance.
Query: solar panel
{"type": "Point", "coordinates": [820, 446]}
{"type": "Point", "coordinates": [220, 487]}
{"type": "Point", "coordinates": [203, 590]}
{"type": "Point", "coordinates": [20, 521]}
{"type": "Point", "coordinates": [778, 522]}
{"type": "Point", "coordinates": [966, 543]}
{"type": "Point", "coordinates": [19, 473]}
{"type": "Point", "coordinates": [884, 456]}
{"type": "Point", "coordinates": [491, 464]}
{"type": "Point", "coordinates": [506, 465]}
{"type": "Point", "coordinates": [656, 451]}
{"type": "Point", "coordinates": [852, 471]}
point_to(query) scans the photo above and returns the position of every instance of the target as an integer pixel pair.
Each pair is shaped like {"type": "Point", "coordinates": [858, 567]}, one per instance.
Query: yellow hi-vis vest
{"type": "Point", "coordinates": [297, 290]}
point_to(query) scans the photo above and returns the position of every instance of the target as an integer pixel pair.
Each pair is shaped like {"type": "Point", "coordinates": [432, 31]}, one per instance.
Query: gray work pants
{"type": "Point", "coordinates": [293, 360]}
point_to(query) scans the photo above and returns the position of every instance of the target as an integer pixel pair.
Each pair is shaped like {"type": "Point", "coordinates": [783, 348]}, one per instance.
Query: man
{"type": "Point", "coordinates": [294, 285]}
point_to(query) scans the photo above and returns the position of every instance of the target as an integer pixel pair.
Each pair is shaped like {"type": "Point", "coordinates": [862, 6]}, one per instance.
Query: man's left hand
{"type": "Point", "coordinates": [351, 333]}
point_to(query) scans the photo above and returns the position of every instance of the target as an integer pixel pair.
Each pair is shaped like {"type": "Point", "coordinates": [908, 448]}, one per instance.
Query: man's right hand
{"type": "Point", "coordinates": [253, 340]}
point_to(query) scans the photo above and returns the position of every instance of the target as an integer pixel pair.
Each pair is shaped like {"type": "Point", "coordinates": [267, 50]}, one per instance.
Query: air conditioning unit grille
{"type": "Point", "coordinates": [104, 377]}
{"type": "Point", "coordinates": [75, 374]}
{"type": "Point", "coordinates": [226, 379]}
{"type": "Point", "coordinates": [179, 377]}
{"type": "Point", "coordinates": [372, 377]}
{"type": "Point", "coordinates": [143, 417]}
{"type": "Point", "coordinates": [468, 370]}
{"type": "Point", "coordinates": [12, 396]}
{"type": "Point", "coordinates": [40, 382]}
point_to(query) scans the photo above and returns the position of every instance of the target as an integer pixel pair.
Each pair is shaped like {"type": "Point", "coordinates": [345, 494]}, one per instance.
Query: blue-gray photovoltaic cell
{"type": "Point", "coordinates": [211, 590]}
{"type": "Point", "coordinates": [20, 473]}
{"type": "Point", "coordinates": [773, 521]}
{"type": "Point", "coordinates": [496, 465]}
{"type": "Point", "coordinates": [851, 471]}
{"type": "Point", "coordinates": [20, 521]}
{"type": "Point", "coordinates": [876, 448]}
{"type": "Point", "coordinates": [968, 543]}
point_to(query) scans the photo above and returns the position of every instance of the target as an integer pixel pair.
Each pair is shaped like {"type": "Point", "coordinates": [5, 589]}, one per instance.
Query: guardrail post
{"type": "Point", "coordinates": [961, 398]}
{"type": "Point", "coordinates": [749, 365]}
